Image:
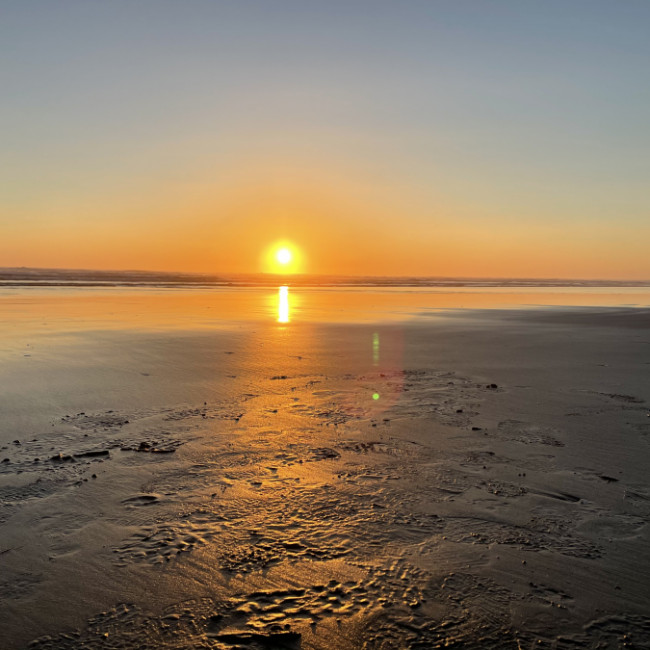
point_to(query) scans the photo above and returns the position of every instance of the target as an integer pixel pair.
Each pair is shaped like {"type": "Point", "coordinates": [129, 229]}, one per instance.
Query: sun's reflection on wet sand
{"type": "Point", "coordinates": [283, 304]}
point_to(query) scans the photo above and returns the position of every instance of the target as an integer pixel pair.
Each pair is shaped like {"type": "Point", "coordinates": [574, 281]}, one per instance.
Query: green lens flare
{"type": "Point", "coordinates": [375, 396]}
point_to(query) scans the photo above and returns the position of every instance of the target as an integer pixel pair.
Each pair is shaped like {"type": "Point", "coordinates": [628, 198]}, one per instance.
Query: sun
{"type": "Point", "coordinates": [283, 256]}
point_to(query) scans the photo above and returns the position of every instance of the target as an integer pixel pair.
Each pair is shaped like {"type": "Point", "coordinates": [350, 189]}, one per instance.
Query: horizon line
{"type": "Point", "coordinates": [224, 275]}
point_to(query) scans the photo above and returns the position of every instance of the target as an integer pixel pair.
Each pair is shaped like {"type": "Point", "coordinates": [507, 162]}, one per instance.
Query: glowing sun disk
{"type": "Point", "coordinates": [283, 256]}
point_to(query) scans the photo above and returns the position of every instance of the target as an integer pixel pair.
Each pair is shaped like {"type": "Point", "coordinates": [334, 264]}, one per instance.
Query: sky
{"type": "Point", "coordinates": [486, 138]}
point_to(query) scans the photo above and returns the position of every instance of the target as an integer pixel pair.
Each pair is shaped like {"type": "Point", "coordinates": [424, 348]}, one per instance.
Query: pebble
{"type": "Point", "coordinates": [62, 457]}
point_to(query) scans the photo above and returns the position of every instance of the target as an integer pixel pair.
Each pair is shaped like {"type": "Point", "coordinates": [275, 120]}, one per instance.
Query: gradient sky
{"type": "Point", "coordinates": [428, 137]}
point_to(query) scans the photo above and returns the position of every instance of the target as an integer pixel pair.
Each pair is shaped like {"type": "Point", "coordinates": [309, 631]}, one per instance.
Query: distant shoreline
{"type": "Point", "coordinates": [35, 277]}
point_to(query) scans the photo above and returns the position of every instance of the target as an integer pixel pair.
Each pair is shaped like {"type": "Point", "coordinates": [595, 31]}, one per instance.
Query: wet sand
{"type": "Point", "coordinates": [473, 479]}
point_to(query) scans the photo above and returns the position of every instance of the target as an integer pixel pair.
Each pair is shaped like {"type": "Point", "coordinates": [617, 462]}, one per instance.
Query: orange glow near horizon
{"type": "Point", "coordinates": [335, 224]}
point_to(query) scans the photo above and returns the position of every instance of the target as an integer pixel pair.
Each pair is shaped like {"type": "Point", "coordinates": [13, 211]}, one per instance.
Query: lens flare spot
{"type": "Point", "coordinates": [375, 396]}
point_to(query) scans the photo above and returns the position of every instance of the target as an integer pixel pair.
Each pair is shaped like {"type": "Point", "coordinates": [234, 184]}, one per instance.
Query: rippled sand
{"type": "Point", "coordinates": [474, 480]}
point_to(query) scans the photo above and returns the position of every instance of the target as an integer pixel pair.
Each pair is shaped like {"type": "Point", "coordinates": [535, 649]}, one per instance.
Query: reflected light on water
{"type": "Point", "coordinates": [283, 304]}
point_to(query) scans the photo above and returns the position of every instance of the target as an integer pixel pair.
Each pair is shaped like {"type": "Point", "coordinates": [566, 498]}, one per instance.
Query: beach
{"type": "Point", "coordinates": [387, 469]}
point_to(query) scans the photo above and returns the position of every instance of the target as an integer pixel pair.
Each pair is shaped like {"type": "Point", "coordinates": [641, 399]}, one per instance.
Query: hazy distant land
{"type": "Point", "coordinates": [80, 277]}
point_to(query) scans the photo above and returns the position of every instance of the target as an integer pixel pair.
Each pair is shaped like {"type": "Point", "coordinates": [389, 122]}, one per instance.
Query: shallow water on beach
{"type": "Point", "coordinates": [38, 310]}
